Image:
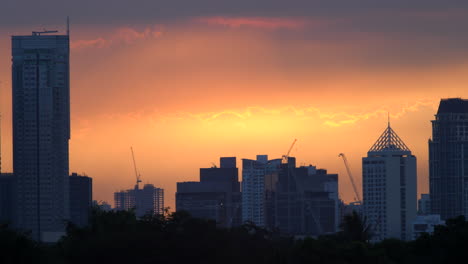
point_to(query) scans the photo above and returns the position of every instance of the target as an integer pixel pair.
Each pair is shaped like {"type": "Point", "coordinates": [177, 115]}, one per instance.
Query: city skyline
{"type": "Point", "coordinates": [129, 88]}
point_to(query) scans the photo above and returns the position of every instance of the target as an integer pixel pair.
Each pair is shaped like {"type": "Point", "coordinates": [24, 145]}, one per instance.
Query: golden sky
{"type": "Point", "coordinates": [187, 91]}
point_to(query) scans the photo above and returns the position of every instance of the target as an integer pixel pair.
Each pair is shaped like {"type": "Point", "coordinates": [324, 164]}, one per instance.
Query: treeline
{"type": "Point", "coordinates": [119, 237]}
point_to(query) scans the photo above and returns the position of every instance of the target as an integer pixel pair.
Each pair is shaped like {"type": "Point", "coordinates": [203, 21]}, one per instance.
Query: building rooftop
{"type": "Point", "coordinates": [389, 141]}
{"type": "Point", "coordinates": [453, 105]}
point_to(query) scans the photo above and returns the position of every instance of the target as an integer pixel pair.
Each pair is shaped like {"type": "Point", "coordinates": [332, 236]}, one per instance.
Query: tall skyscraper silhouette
{"type": "Point", "coordinates": [448, 159]}
{"type": "Point", "coordinates": [41, 131]}
{"type": "Point", "coordinates": [389, 187]}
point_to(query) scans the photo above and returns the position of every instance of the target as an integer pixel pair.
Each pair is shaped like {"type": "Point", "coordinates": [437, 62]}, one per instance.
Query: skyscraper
{"type": "Point", "coordinates": [41, 131]}
{"type": "Point", "coordinates": [259, 178]}
{"type": "Point", "coordinates": [389, 187]}
{"type": "Point", "coordinates": [305, 200]}
{"type": "Point", "coordinates": [448, 159]}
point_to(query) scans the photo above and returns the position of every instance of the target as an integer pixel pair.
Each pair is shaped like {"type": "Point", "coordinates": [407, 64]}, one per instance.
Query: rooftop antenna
{"type": "Point", "coordinates": [68, 26]}
{"type": "Point", "coordinates": [388, 118]}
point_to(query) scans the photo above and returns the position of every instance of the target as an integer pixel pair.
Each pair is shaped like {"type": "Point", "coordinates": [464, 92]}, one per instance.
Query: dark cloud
{"type": "Point", "coordinates": [14, 12]}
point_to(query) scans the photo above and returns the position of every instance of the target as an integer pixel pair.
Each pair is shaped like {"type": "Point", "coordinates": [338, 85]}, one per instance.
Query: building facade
{"type": "Point", "coordinates": [259, 178]}
{"type": "Point", "coordinates": [41, 131]}
{"type": "Point", "coordinates": [448, 159]}
{"type": "Point", "coordinates": [425, 224]}
{"type": "Point", "coordinates": [148, 200]}
{"type": "Point", "coordinates": [81, 198]}
{"type": "Point", "coordinates": [216, 196]}
{"type": "Point", "coordinates": [389, 187]}
{"type": "Point", "coordinates": [306, 200]}
{"type": "Point", "coordinates": [424, 204]}
{"type": "Point", "coordinates": [7, 203]}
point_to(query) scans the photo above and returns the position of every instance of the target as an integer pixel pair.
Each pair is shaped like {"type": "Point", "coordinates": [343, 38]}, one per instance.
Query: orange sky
{"type": "Point", "coordinates": [187, 92]}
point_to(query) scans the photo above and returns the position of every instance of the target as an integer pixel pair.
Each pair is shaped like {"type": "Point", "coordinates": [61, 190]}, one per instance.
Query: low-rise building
{"type": "Point", "coordinates": [425, 224]}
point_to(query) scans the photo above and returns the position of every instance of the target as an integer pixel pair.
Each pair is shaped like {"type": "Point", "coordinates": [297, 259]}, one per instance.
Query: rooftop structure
{"type": "Point", "coordinates": [389, 187]}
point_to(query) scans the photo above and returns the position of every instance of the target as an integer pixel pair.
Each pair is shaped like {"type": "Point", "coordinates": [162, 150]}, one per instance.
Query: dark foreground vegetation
{"type": "Point", "coordinates": [118, 237]}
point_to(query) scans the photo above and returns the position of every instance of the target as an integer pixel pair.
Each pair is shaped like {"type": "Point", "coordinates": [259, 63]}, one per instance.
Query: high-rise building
{"type": "Point", "coordinates": [216, 196]}
{"type": "Point", "coordinates": [448, 159]}
{"type": "Point", "coordinates": [7, 203]}
{"type": "Point", "coordinates": [81, 198]}
{"type": "Point", "coordinates": [306, 200]}
{"type": "Point", "coordinates": [148, 200]}
{"type": "Point", "coordinates": [389, 187]}
{"type": "Point", "coordinates": [259, 178]}
{"type": "Point", "coordinates": [41, 131]}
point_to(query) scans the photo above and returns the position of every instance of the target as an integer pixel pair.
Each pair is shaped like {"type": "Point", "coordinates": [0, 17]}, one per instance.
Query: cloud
{"type": "Point", "coordinates": [331, 119]}
{"type": "Point", "coordinates": [123, 35]}
{"type": "Point", "coordinates": [270, 23]}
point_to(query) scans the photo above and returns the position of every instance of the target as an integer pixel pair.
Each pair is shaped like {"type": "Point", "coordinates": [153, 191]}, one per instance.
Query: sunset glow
{"type": "Point", "coordinates": [185, 91]}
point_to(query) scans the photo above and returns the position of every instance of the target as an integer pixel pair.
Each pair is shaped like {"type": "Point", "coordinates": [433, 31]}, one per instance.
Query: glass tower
{"type": "Point", "coordinates": [448, 159]}
{"type": "Point", "coordinates": [41, 131]}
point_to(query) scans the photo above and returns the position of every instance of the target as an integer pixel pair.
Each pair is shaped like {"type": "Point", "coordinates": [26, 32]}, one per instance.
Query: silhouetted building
{"type": "Point", "coordinates": [7, 191]}
{"type": "Point", "coordinates": [41, 131]}
{"type": "Point", "coordinates": [389, 187]}
{"type": "Point", "coordinates": [217, 195]}
{"type": "Point", "coordinates": [259, 178]}
{"type": "Point", "coordinates": [448, 159]}
{"type": "Point", "coordinates": [306, 200]}
{"type": "Point", "coordinates": [149, 200]}
{"type": "Point", "coordinates": [424, 204]}
{"type": "Point", "coordinates": [425, 224]}
{"type": "Point", "coordinates": [81, 197]}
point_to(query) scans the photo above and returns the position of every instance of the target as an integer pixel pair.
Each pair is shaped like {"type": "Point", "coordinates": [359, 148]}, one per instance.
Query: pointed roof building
{"type": "Point", "coordinates": [389, 187]}
{"type": "Point", "coordinates": [389, 141]}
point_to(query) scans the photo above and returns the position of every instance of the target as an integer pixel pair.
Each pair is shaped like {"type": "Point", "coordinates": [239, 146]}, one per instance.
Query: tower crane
{"type": "Point", "coordinates": [285, 157]}
{"type": "Point", "coordinates": [357, 197]}
{"type": "Point", "coordinates": [137, 174]}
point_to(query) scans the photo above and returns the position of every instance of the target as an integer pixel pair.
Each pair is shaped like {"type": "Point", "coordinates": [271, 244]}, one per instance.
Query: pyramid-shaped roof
{"type": "Point", "coordinates": [389, 141]}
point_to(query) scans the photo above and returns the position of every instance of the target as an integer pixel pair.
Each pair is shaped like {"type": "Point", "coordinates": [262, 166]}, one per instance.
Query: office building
{"type": "Point", "coordinates": [216, 196]}
{"type": "Point", "coordinates": [41, 131]}
{"type": "Point", "coordinates": [306, 200]}
{"type": "Point", "coordinates": [148, 200]}
{"type": "Point", "coordinates": [259, 178]}
{"type": "Point", "coordinates": [389, 187]}
{"type": "Point", "coordinates": [7, 191]}
{"type": "Point", "coordinates": [448, 159]}
{"type": "Point", "coordinates": [81, 197]}
{"type": "Point", "coordinates": [424, 204]}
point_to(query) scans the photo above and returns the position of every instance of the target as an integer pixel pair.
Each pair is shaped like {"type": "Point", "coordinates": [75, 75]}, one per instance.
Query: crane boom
{"type": "Point", "coordinates": [137, 175]}
{"type": "Point", "coordinates": [285, 157]}
{"type": "Point", "coordinates": [345, 160]}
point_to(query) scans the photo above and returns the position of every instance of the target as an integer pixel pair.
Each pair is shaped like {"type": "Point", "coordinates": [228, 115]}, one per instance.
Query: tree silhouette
{"type": "Point", "coordinates": [355, 227]}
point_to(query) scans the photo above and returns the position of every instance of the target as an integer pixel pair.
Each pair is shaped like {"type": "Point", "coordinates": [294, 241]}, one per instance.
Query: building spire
{"type": "Point", "coordinates": [389, 141]}
{"type": "Point", "coordinates": [388, 118]}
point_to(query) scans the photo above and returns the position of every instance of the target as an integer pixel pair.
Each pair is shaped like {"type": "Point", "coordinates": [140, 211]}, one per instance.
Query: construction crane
{"type": "Point", "coordinates": [285, 157]}
{"type": "Point", "coordinates": [137, 174]}
{"type": "Point", "coordinates": [357, 198]}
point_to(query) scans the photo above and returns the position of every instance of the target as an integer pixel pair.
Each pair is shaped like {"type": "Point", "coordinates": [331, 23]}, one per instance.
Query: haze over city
{"type": "Point", "coordinates": [186, 83]}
